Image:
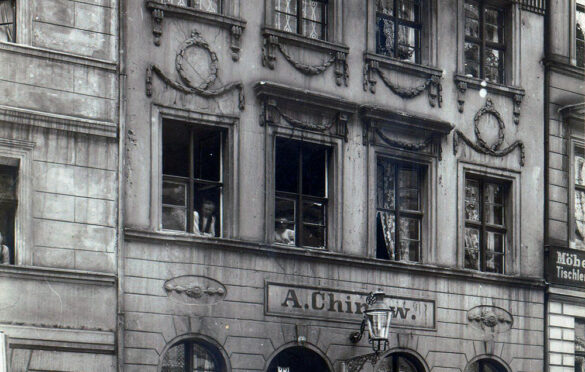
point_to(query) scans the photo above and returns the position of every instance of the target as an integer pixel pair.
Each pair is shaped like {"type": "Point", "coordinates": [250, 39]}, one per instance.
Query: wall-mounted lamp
{"type": "Point", "coordinates": [377, 318]}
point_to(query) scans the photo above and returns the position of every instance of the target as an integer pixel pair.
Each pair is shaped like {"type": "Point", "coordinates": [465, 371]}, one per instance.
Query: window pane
{"type": "Point", "coordinates": [286, 6]}
{"type": "Point", "coordinates": [285, 15]}
{"type": "Point", "coordinates": [285, 209]}
{"type": "Point", "coordinates": [207, 154]}
{"type": "Point", "coordinates": [408, 10]}
{"type": "Point", "coordinates": [203, 361]}
{"type": "Point", "coordinates": [495, 242]}
{"type": "Point", "coordinates": [409, 239]}
{"type": "Point", "coordinates": [471, 19]}
{"type": "Point", "coordinates": [314, 158]}
{"type": "Point", "coordinates": [472, 212]}
{"type": "Point", "coordinates": [174, 359]}
{"type": "Point", "coordinates": [580, 335]}
{"type": "Point", "coordinates": [178, 2]}
{"type": "Point", "coordinates": [493, 203]}
{"type": "Point", "coordinates": [492, 33]}
{"type": "Point", "coordinates": [579, 167]}
{"type": "Point", "coordinates": [580, 36]}
{"type": "Point", "coordinates": [313, 10]}
{"type": "Point", "coordinates": [313, 236]}
{"type": "Point", "coordinates": [7, 18]}
{"type": "Point", "coordinates": [408, 186]}
{"type": "Point", "coordinates": [471, 248]}
{"type": "Point", "coordinates": [493, 64]}
{"type": "Point", "coordinates": [8, 183]}
{"type": "Point", "coordinates": [406, 43]}
{"type": "Point", "coordinates": [174, 218]}
{"type": "Point", "coordinates": [409, 228]}
{"type": "Point", "coordinates": [284, 227]}
{"type": "Point", "coordinates": [409, 199]}
{"type": "Point", "coordinates": [385, 36]}
{"type": "Point", "coordinates": [313, 30]}
{"type": "Point", "coordinates": [287, 165]}
{"type": "Point", "coordinates": [580, 219]}
{"type": "Point", "coordinates": [472, 59]}
{"type": "Point", "coordinates": [207, 202]}
{"type": "Point", "coordinates": [385, 6]}
{"type": "Point", "coordinates": [211, 6]}
{"type": "Point", "coordinates": [174, 193]}
{"type": "Point", "coordinates": [385, 185]}
{"type": "Point", "coordinates": [175, 148]}
{"type": "Point", "coordinates": [385, 235]}
{"type": "Point", "coordinates": [314, 212]}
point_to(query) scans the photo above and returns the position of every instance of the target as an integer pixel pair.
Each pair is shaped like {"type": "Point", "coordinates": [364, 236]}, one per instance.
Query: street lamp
{"type": "Point", "coordinates": [377, 317]}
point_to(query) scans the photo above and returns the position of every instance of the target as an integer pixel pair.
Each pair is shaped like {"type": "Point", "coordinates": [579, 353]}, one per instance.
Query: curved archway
{"type": "Point", "coordinates": [194, 353]}
{"type": "Point", "coordinates": [401, 360]}
{"type": "Point", "coordinates": [487, 363]}
{"type": "Point", "coordinates": [296, 358]}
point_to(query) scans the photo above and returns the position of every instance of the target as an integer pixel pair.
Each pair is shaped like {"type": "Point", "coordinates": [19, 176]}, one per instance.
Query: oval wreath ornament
{"type": "Point", "coordinates": [197, 41]}
{"type": "Point", "coordinates": [489, 109]}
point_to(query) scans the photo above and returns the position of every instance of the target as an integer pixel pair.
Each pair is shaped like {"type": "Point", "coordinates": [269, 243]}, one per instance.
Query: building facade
{"type": "Point", "coordinates": [59, 118]}
{"type": "Point", "coordinates": [564, 230]}
{"type": "Point", "coordinates": [217, 185]}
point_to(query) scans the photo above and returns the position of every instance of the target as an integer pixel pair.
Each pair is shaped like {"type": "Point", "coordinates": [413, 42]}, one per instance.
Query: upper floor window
{"type": "Point", "coordinates": [8, 204]}
{"type": "Point", "coordinates": [484, 41]}
{"type": "Point", "coordinates": [398, 29]}
{"type": "Point", "coordinates": [580, 34]}
{"type": "Point", "coordinates": [399, 212]}
{"type": "Point", "coordinates": [301, 193]}
{"type": "Point", "coordinates": [212, 6]}
{"type": "Point", "coordinates": [304, 17]}
{"type": "Point", "coordinates": [7, 20]}
{"type": "Point", "coordinates": [192, 186]}
{"type": "Point", "coordinates": [579, 182]}
{"type": "Point", "coordinates": [485, 224]}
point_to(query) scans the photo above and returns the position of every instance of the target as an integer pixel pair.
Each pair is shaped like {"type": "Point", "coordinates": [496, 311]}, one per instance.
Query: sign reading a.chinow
{"type": "Point", "coordinates": [340, 305]}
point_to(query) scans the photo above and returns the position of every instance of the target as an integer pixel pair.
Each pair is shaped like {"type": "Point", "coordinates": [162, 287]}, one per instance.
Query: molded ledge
{"type": "Point", "coordinates": [305, 42]}
{"type": "Point", "coordinates": [403, 66]}
{"type": "Point", "coordinates": [503, 90]}
{"type": "Point", "coordinates": [195, 14]}
{"type": "Point", "coordinates": [406, 120]}
{"type": "Point", "coordinates": [57, 275]}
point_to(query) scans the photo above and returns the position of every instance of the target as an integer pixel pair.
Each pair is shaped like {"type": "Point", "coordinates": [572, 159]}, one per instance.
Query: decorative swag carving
{"type": "Point", "coordinates": [203, 89]}
{"type": "Point", "coordinates": [373, 65]}
{"type": "Point", "coordinates": [336, 54]}
{"type": "Point", "coordinates": [480, 145]}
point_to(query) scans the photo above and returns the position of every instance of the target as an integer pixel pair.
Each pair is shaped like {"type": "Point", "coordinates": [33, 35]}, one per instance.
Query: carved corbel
{"type": "Point", "coordinates": [271, 115]}
{"type": "Point", "coordinates": [157, 25]}
{"type": "Point", "coordinates": [268, 51]}
{"type": "Point", "coordinates": [369, 79]}
{"type": "Point", "coordinates": [342, 129]}
{"type": "Point", "coordinates": [341, 68]}
{"type": "Point", "coordinates": [235, 35]}
{"type": "Point", "coordinates": [517, 102]}
{"type": "Point", "coordinates": [435, 90]}
{"type": "Point", "coordinates": [367, 132]}
{"type": "Point", "coordinates": [461, 89]}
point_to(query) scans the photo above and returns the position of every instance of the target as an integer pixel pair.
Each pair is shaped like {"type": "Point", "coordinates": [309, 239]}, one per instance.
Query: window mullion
{"type": "Point", "coordinates": [482, 238]}
{"type": "Point", "coordinates": [191, 188]}
{"type": "Point", "coordinates": [188, 357]}
{"type": "Point", "coordinates": [300, 17]}
{"type": "Point", "coordinates": [299, 221]}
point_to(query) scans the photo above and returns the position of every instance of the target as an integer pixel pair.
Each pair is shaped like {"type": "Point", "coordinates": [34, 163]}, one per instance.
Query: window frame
{"type": "Point", "coordinates": [209, 344]}
{"type": "Point", "coordinates": [226, 123]}
{"type": "Point", "coordinates": [484, 359]}
{"type": "Point", "coordinates": [416, 25]}
{"type": "Point", "coordinates": [483, 44]}
{"type": "Point", "coordinates": [299, 18]}
{"type": "Point", "coordinates": [511, 178]}
{"type": "Point", "coordinates": [578, 8]}
{"type": "Point", "coordinates": [574, 143]}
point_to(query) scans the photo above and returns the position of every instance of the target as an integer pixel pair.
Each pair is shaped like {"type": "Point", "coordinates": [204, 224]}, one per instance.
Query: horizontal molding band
{"type": "Point", "coordinates": [57, 275]}
{"type": "Point", "coordinates": [329, 257]}
{"type": "Point", "coordinates": [58, 122]}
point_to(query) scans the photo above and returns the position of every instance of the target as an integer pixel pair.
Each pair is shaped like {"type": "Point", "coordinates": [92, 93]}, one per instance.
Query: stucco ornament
{"type": "Point", "coordinates": [195, 46]}
{"type": "Point", "coordinates": [480, 145]}
{"type": "Point", "coordinates": [491, 319]}
{"type": "Point", "coordinates": [195, 290]}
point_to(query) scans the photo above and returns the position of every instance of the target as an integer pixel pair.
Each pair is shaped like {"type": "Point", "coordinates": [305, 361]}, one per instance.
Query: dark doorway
{"type": "Point", "coordinates": [298, 359]}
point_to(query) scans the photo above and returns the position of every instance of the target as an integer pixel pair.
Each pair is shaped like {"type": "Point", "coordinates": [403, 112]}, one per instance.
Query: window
{"type": "Point", "coordinates": [8, 204]}
{"type": "Point", "coordinates": [398, 210]}
{"type": "Point", "coordinates": [298, 358]}
{"type": "Point", "coordinates": [192, 186]}
{"type": "Point", "coordinates": [486, 365]}
{"type": "Point", "coordinates": [212, 6]}
{"type": "Point", "coordinates": [305, 17]}
{"type": "Point", "coordinates": [191, 356]}
{"type": "Point", "coordinates": [484, 41]}
{"type": "Point", "coordinates": [7, 20]}
{"type": "Point", "coordinates": [579, 345]}
{"type": "Point", "coordinates": [485, 224]}
{"type": "Point", "coordinates": [398, 29]}
{"type": "Point", "coordinates": [301, 193]}
{"type": "Point", "coordinates": [580, 35]}
{"type": "Point", "coordinates": [579, 182]}
{"type": "Point", "coordinates": [400, 362]}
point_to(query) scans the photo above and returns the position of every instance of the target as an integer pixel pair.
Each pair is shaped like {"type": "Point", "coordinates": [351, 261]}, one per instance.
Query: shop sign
{"type": "Point", "coordinates": [566, 266]}
{"type": "Point", "coordinates": [347, 306]}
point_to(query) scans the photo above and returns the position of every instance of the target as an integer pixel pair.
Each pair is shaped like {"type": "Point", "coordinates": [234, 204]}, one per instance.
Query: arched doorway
{"type": "Point", "coordinates": [400, 362]}
{"type": "Point", "coordinates": [298, 359]}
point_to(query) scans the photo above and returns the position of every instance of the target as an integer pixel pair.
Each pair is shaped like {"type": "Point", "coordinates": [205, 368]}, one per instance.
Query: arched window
{"type": "Point", "coordinates": [298, 359]}
{"type": "Point", "coordinates": [192, 356]}
{"type": "Point", "coordinates": [486, 365]}
{"type": "Point", "coordinates": [400, 362]}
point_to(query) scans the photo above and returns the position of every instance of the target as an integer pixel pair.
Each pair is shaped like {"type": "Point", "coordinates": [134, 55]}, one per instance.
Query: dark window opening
{"type": "Point", "coordinates": [298, 359]}
{"type": "Point", "coordinates": [486, 365]}
{"type": "Point", "coordinates": [192, 178]}
{"type": "Point", "coordinates": [301, 193]}
{"type": "Point", "coordinates": [485, 224]}
{"type": "Point", "coordinates": [8, 205]}
{"type": "Point", "coordinates": [484, 41]}
{"type": "Point", "coordinates": [400, 362]}
{"type": "Point", "coordinates": [399, 211]}
{"type": "Point", "coordinates": [305, 17]}
{"type": "Point", "coordinates": [192, 356]}
{"type": "Point", "coordinates": [8, 20]}
{"type": "Point", "coordinates": [580, 35]}
{"type": "Point", "coordinates": [398, 29]}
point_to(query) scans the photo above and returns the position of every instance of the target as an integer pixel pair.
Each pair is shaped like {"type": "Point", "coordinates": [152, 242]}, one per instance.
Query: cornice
{"type": "Point", "coordinates": [406, 120]}
{"type": "Point", "coordinates": [57, 275]}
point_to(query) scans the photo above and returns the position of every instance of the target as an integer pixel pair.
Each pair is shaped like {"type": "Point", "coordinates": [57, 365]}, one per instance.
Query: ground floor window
{"type": "Point", "coordinates": [579, 345]}
{"type": "Point", "coordinates": [298, 359]}
{"type": "Point", "coordinates": [400, 362]}
{"type": "Point", "coordinates": [192, 356]}
{"type": "Point", "coordinates": [486, 365]}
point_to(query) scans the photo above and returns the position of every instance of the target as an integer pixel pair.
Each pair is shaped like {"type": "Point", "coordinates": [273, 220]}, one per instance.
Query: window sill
{"type": "Point", "coordinates": [331, 258]}
{"type": "Point", "coordinates": [159, 9]}
{"type": "Point", "coordinates": [375, 64]}
{"type": "Point", "coordinates": [277, 39]}
{"type": "Point", "coordinates": [464, 82]}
